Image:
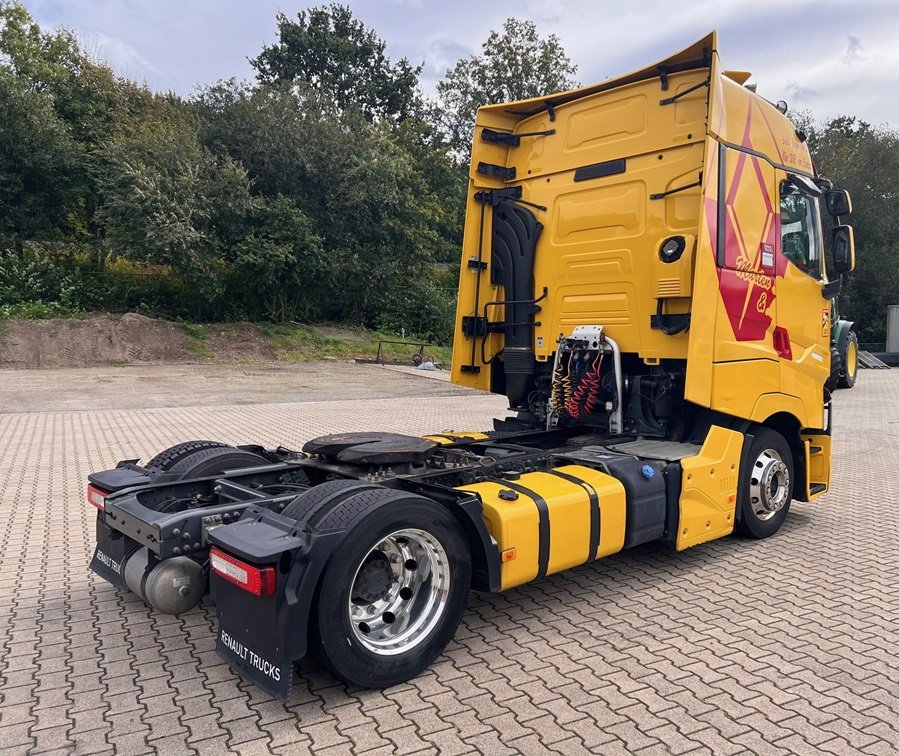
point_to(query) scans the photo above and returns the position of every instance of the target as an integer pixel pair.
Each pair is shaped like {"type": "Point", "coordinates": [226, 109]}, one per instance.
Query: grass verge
{"type": "Point", "coordinates": [196, 340]}
{"type": "Point", "coordinates": [305, 343]}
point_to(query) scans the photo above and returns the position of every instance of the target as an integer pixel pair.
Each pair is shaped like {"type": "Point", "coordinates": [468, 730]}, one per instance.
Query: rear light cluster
{"type": "Point", "coordinates": [96, 497]}
{"type": "Point", "coordinates": [260, 581]}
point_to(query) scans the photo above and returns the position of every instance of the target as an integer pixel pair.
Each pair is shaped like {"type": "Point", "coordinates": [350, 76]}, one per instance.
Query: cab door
{"type": "Point", "coordinates": [802, 334]}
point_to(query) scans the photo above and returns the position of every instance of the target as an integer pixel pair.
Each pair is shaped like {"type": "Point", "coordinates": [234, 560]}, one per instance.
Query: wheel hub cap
{"type": "Point", "coordinates": [769, 486]}
{"type": "Point", "coordinates": [373, 580]}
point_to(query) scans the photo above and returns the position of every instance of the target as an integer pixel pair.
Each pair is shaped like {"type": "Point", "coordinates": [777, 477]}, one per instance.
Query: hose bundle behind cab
{"type": "Point", "coordinates": [643, 275]}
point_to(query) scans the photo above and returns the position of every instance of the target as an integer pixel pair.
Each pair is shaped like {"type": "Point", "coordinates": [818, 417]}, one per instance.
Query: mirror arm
{"type": "Point", "coordinates": [832, 288]}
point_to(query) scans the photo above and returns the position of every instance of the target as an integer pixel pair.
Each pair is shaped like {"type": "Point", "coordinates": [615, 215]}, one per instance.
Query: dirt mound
{"type": "Point", "coordinates": [95, 340]}
{"type": "Point", "coordinates": [132, 339]}
{"type": "Point", "coordinates": [239, 342]}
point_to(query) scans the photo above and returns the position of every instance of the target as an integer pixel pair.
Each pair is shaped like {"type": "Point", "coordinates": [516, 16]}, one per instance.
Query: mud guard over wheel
{"type": "Point", "coordinates": [380, 582]}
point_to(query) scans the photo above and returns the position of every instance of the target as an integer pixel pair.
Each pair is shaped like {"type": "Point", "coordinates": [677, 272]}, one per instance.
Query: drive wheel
{"type": "Point", "coordinates": [198, 459]}
{"type": "Point", "coordinates": [168, 458]}
{"type": "Point", "coordinates": [849, 371]}
{"type": "Point", "coordinates": [310, 506]}
{"type": "Point", "coordinates": [767, 488]}
{"type": "Point", "coordinates": [393, 594]}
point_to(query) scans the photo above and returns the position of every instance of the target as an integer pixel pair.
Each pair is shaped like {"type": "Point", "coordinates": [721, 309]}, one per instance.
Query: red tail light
{"type": "Point", "coordinates": [260, 581]}
{"type": "Point", "coordinates": [96, 497]}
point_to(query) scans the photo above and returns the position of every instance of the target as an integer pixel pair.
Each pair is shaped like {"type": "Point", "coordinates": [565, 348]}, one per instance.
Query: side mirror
{"type": "Point", "coordinates": [843, 247]}
{"type": "Point", "coordinates": [838, 202]}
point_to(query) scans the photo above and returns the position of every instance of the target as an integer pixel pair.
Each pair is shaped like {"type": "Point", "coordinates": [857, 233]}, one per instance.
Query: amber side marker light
{"type": "Point", "coordinates": [260, 581]}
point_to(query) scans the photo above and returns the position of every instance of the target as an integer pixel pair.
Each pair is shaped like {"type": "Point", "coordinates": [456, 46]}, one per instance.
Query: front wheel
{"type": "Point", "coordinates": [767, 486]}
{"type": "Point", "coordinates": [393, 594]}
{"type": "Point", "coordinates": [849, 370]}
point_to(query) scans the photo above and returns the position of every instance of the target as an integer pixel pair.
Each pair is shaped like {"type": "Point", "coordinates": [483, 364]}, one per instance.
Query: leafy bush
{"type": "Point", "coordinates": [56, 285]}
{"type": "Point", "coordinates": [36, 311]}
{"type": "Point", "coordinates": [422, 309]}
{"type": "Point", "coordinates": [30, 278]}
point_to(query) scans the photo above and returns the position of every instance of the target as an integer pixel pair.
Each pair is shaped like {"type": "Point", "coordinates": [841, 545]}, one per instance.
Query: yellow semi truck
{"type": "Point", "coordinates": [677, 213]}
{"type": "Point", "coordinates": [644, 277]}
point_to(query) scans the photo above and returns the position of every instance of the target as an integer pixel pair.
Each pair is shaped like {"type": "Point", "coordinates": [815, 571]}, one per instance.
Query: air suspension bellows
{"type": "Point", "coordinates": [520, 366]}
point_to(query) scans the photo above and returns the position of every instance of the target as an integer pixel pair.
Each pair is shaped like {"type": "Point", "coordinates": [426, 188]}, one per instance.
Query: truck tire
{"type": "Point", "coordinates": [766, 488]}
{"type": "Point", "coordinates": [849, 369]}
{"type": "Point", "coordinates": [171, 456]}
{"type": "Point", "coordinates": [310, 506]}
{"type": "Point", "coordinates": [211, 459]}
{"type": "Point", "coordinates": [216, 460]}
{"type": "Point", "coordinates": [393, 594]}
{"type": "Point", "coordinates": [836, 367]}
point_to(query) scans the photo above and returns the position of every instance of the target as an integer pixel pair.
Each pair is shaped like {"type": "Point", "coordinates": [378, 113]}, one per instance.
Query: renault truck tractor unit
{"type": "Point", "coordinates": [643, 276]}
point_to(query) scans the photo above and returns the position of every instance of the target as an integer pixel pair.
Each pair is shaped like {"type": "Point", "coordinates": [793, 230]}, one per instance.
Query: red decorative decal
{"type": "Point", "coordinates": [747, 279]}
{"type": "Point", "coordinates": [747, 141]}
{"type": "Point", "coordinates": [747, 298]}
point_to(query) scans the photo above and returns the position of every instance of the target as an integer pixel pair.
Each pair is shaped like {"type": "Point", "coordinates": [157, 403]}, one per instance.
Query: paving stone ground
{"type": "Point", "coordinates": [787, 645]}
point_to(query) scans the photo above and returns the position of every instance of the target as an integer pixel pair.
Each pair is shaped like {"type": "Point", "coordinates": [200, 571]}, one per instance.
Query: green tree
{"type": "Point", "coordinates": [37, 164]}
{"type": "Point", "coordinates": [320, 191]}
{"type": "Point", "coordinates": [423, 309]}
{"type": "Point", "coordinates": [865, 160]}
{"type": "Point", "coordinates": [38, 158]}
{"type": "Point", "coordinates": [516, 63]}
{"type": "Point", "coordinates": [42, 60]}
{"type": "Point", "coordinates": [60, 109]}
{"type": "Point", "coordinates": [170, 201]}
{"type": "Point", "coordinates": [336, 54]}
{"type": "Point", "coordinates": [372, 190]}
{"type": "Point", "coordinates": [280, 262]}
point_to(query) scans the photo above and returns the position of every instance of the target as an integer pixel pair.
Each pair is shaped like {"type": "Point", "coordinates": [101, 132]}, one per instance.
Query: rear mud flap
{"type": "Point", "coordinates": [262, 636]}
{"type": "Point", "coordinates": [270, 673]}
{"type": "Point", "coordinates": [112, 550]}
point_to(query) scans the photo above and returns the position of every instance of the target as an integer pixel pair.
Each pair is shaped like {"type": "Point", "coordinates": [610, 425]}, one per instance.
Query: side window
{"type": "Point", "coordinates": [800, 230]}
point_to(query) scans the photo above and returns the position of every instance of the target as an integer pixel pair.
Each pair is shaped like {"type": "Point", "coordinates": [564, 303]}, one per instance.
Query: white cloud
{"type": "Point", "coordinates": [120, 56]}
{"type": "Point", "coordinates": [831, 57]}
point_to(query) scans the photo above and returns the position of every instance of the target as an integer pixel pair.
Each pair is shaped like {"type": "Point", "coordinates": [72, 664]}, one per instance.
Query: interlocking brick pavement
{"type": "Point", "coordinates": [779, 646]}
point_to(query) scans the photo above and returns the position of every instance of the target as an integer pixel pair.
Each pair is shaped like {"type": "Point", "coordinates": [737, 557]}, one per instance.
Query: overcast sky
{"type": "Point", "coordinates": [829, 56]}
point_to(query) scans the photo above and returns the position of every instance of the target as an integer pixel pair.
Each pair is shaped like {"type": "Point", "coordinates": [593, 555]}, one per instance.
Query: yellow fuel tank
{"type": "Point", "coordinates": [450, 437]}
{"type": "Point", "coordinates": [548, 521]}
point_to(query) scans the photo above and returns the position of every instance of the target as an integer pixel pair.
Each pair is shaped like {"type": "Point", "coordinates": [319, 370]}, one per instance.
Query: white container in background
{"type": "Point", "coordinates": [893, 328]}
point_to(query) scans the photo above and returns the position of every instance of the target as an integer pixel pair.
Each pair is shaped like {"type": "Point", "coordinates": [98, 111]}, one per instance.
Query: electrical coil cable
{"type": "Point", "coordinates": [556, 400]}
{"type": "Point", "coordinates": [585, 397]}
{"type": "Point", "coordinates": [561, 390]}
{"type": "Point", "coordinates": [566, 383]}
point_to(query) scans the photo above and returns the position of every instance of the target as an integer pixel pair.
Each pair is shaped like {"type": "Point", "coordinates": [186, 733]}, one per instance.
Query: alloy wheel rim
{"type": "Point", "coordinates": [769, 485]}
{"type": "Point", "coordinates": [399, 592]}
